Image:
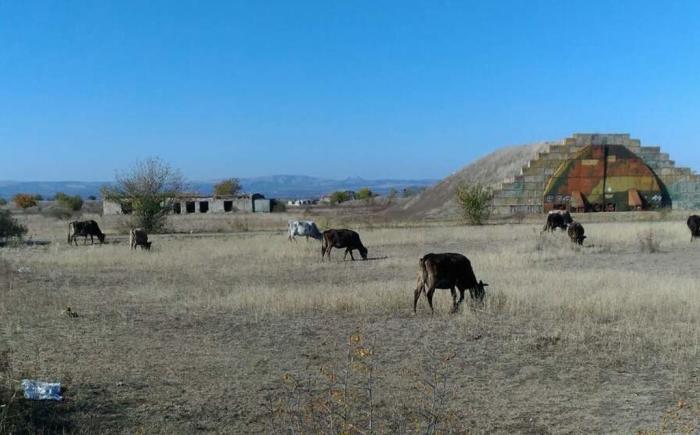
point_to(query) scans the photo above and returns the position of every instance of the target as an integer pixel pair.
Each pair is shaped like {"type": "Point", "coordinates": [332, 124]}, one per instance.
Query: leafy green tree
{"type": "Point", "coordinates": [149, 189]}
{"type": "Point", "coordinates": [228, 187]}
{"type": "Point", "coordinates": [475, 202]}
{"type": "Point", "coordinates": [364, 194]}
{"type": "Point", "coordinates": [338, 197]}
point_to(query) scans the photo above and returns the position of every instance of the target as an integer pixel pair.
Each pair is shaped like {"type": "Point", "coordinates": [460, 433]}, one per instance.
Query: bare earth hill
{"type": "Point", "coordinates": [438, 201]}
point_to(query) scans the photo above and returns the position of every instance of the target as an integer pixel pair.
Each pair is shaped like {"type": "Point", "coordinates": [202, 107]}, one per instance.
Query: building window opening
{"type": "Point", "coordinates": [228, 206]}
{"type": "Point", "coordinates": [203, 206]}
{"type": "Point", "coordinates": [189, 206]}
{"type": "Point", "coordinates": [177, 209]}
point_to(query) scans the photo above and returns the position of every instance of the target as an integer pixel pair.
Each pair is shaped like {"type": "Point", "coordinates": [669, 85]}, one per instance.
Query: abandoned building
{"type": "Point", "coordinates": [255, 203]}
{"type": "Point", "coordinates": [598, 172]}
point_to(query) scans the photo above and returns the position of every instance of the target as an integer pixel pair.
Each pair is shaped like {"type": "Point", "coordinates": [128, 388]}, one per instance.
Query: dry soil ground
{"type": "Point", "coordinates": [247, 332]}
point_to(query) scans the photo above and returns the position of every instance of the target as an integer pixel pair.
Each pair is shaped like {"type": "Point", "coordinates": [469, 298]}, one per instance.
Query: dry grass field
{"type": "Point", "coordinates": [245, 332]}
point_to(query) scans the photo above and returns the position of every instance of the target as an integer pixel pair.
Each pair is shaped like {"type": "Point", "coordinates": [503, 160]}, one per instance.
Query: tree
{"type": "Point", "coordinates": [149, 189]}
{"type": "Point", "coordinates": [475, 202]}
{"type": "Point", "coordinates": [338, 197]}
{"type": "Point", "coordinates": [9, 227]}
{"type": "Point", "coordinates": [364, 194]}
{"type": "Point", "coordinates": [24, 200]}
{"type": "Point", "coordinates": [228, 187]}
{"type": "Point", "coordinates": [74, 203]}
{"type": "Point", "coordinates": [3, 201]}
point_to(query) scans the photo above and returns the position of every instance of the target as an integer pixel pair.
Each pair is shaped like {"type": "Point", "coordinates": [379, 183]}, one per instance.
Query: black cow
{"type": "Point", "coordinates": [557, 219]}
{"type": "Point", "coordinates": [85, 229]}
{"type": "Point", "coordinates": [342, 238]}
{"type": "Point", "coordinates": [576, 232]}
{"type": "Point", "coordinates": [694, 226]}
{"type": "Point", "coordinates": [447, 271]}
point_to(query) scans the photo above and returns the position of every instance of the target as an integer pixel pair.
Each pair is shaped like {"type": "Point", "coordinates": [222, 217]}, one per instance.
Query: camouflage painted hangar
{"type": "Point", "coordinates": [599, 172]}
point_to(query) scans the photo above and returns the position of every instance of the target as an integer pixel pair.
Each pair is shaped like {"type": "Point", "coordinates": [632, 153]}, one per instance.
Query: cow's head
{"type": "Point", "coordinates": [363, 252]}
{"type": "Point", "coordinates": [101, 237]}
{"type": "Point", "coordinates": [480, 290]}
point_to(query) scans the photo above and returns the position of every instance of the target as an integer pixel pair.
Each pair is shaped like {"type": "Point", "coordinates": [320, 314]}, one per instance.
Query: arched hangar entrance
{"type": "Point", "coordinates": [605, 178]}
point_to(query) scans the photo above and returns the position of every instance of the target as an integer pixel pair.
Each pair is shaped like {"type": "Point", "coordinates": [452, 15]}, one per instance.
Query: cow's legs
{"type": "Point", "coordinates": [455, 304]}
{"type": "Point", "coordinates": [326, 251]}
{"type": "Point", "coordinates": [431, 292]}
{"type": "Point", "coordinates": [92, 239]}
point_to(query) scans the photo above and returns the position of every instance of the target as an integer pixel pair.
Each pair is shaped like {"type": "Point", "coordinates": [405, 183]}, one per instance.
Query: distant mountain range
{"type": "Point", "coordinates": [273, 186]}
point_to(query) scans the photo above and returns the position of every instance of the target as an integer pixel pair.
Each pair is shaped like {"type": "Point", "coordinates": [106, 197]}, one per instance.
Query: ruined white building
{"type": "Point", "coordinates": [255, 203]}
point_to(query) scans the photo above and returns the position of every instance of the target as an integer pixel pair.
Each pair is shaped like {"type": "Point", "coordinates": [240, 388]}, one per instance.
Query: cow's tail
{"type": "Point", "coordinates": [422, 274]}
{"type": "Point", "coordinates": [70, 226]}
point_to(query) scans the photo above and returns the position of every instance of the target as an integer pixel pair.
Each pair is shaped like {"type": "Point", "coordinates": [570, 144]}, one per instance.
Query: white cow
{"type": "Point", "coordinates": [303, 228]}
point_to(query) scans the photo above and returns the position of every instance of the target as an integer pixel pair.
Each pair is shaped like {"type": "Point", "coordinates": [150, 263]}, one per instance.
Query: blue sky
{"type": "Point", "coordinates": [335, 88]}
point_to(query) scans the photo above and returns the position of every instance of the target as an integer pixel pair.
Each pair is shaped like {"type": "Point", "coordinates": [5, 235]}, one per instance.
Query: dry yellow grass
{"type": "Point", "coordinates": [200, 332]}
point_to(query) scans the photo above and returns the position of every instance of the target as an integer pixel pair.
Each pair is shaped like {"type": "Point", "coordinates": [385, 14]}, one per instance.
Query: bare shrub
{"type": "Point", "coordinates": [149, 190]}
{"type": "Point", "coordinates": [24, 200]}
{"type": "Point", "coordinates": [648, 242]}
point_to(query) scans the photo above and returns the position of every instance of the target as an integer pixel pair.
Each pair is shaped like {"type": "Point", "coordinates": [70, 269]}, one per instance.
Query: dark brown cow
{"type": "Point", "coordinates": [694, 226]}
{"type": "Point", "coordinates": [84, 228]}
{"type": "Point", "coordinates": [342, 238]}
{"type": "Point", "coordinates": [138, 237]}
{"type": "Point", "coordinates": [576, 232]}
{"type": "Point", "coordinates": [557, 219]}
{"type": "Point", "coordinates": [447, 271]}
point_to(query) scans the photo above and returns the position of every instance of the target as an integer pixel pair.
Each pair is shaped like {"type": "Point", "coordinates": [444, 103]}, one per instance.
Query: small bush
{"type": "Point", "coordinates": [3, 201]}
{"type": "Point", "coordinates": [365, 194]}
{"type": "Point", "coordinates": [74, 203]}
{"type": "Point", "coordinates": [391, 195]}
{"type": "Point", "coordinates": [279, 207]}
{"type": "Point", "coordinates": [475, 202]}
{"type": "Point", "coordinates": [9, 228]}
{"type": "Point", "coordinates": [24, 200]}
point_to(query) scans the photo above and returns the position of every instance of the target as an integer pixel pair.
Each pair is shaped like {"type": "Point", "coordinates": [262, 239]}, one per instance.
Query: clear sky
{"type": "Point", "coordinates": [335, 88]}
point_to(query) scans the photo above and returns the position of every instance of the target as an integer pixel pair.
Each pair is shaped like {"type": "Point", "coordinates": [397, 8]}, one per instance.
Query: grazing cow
{"type": "Point", "coordinates": [303, 228]}
{"type": "Point", "coordinates": [84, 228]}
{"type": "Point", "coordinates": [447, 271]}
{"type": "Point", "coordinates": [138, 237]}
{"type": "Point", "coordinates": [343, 238]}
{"type": "Point", "coordinates": [576, 231]}
{"type": "Point", "coordinates": [557, 219]}
{"type": "Point", "coordinates": [694, 226]}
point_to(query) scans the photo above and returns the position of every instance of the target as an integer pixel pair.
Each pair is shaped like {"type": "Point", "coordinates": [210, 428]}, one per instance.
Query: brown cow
{"type": "Point", "coordinates": [342, 238]}
{"type": "Point", "coordinates": [84, 229]}
{"type": "Point", "coordinates": [138, 237]}
{"type": "Point", "coordinates": [447, 271]}
{"type": "Point", "coordinates": [576, 232]}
